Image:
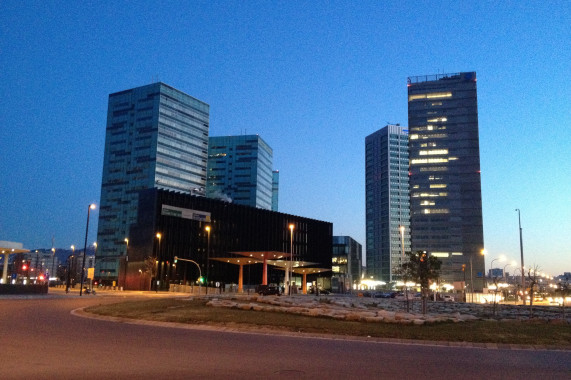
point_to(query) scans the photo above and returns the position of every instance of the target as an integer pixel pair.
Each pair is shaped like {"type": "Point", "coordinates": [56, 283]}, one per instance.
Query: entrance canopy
{"type": "Point", "coordinates": [7, 248]}
{"type": "Point", "coordinates": [273, 258]}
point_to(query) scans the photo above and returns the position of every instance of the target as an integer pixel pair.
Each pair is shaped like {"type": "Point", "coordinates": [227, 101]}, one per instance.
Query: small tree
{"type": "Point", "coordinates": [150, 267]}
{"type": "Point", "coordinates": [532, 277]}
{"type": "Point", "coordinates": [423, 269]}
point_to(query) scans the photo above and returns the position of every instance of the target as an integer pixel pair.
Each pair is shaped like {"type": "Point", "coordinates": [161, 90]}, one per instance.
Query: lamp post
{"type": "Point", "coordinates": [89, 208]}
{"type": "Point", "coordinates": [291, 226]}
{"type": "Point", "coordinates": [521, 252]}
{"type": "Point", "coordinates": [126, 263]}
{"type": "Point", "coordinates": [484, 252]}
{"type": "Point", "coordinates": [53, 265]}
{"type": "Point", "coordinates": [207, 228]}
{"type": "Point", "coordinates": [69, 266]}
{"type": "Point", "coordinates": [157, 258]}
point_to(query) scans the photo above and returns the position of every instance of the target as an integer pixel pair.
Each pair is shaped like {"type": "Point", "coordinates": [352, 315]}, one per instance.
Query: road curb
{"type": "Point", "coordinates": [80, 312]}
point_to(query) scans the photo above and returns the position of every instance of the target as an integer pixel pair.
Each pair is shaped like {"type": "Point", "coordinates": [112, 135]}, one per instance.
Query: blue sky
{"type": "Point", "coordinates": [313, 78]}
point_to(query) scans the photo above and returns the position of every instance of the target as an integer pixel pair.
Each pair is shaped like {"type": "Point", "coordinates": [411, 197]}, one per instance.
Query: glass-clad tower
{"type": "Point", "coordinates": [275, 189]}
{"type": "Point", "coordinates": [387, 202]}
{"type": "Point", "coordinates": [240, 170]}
{"type": "Point", "coordinates": [446, 200]}
{"type": "Point", "coordinates": [156, 136]}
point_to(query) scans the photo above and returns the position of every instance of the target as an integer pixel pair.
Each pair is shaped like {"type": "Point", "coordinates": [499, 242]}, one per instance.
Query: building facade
{"type": "Point", "coordinates": [445, 189]}
{"type": "Point", "coordinates": [275, 189]}
{"type": "Point", "coordinates": [346, 260]}
{"type": "Point", "coordinates": [174, 224]}
{"type": "Point", "coordinates": [240, 170]}
{"type": "Point", "coordinates": [156, 137]}
{"type": "Point", "coordinates": [386, 202]}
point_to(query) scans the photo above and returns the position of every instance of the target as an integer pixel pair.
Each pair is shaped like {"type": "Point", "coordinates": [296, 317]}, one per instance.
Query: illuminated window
{"type": "Point", "coordinates": [413, 137]}
{"type": "Point", "coordinates": [433, 95]}
{"type": "Point", "coordinates": [434, 169]}
{"type": "Point", "coordinates": [438, 119]}
{"type": "Point", "coordinates": [417, 161]}
{"type": "Point", "coordinates": [427, 203]}
{"type": "Point", "coordinates": [439, 254]}
{"type": "Point", "coordinates": [438, 186]}
{"type": "Point", "coordinates": [435, 211]}
{"type": "Point", "coordinates": [436, 104]}
{"type": "Point", "coordinates": [433, 152]}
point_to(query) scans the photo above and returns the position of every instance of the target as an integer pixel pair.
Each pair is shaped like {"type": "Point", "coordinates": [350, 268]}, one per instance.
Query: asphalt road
{"type": "Point", "coordinates": [40, 338]}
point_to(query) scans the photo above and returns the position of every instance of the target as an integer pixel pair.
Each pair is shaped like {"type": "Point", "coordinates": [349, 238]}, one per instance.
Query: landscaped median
{"type": "Point", "coordinates": [340, 309]}
{"type": "Point", "coordinates": [342, 317]}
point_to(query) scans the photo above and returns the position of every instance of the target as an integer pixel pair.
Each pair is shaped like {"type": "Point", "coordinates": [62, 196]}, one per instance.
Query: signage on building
{"type": "Point", "coordinates": [185, 213]}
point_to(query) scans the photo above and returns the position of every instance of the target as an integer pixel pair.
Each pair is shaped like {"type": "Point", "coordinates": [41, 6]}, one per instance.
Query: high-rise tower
{"type": "Point", "coordinates": [240, 170]}
{"type": "Point", "coordinates": [445, 189]}
{"type": "Point", "coordinates": [387, 202]}
{"type": "Point", "coordinates": [156, 136]}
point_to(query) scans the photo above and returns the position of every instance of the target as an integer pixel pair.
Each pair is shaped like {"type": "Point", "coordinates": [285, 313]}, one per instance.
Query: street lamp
{"type": "Point", "coordinates": [126, 263]}
{"type": "Point", "coordinates": [291, 226]}
{"type": "Point", "coordinates": [53, 264]}
{"type": "Point", "coordinates": [69, 266]}
{"type": "Point", "coordinates": [158, 256]}
{"type": "Point", "coordinates": [207, 228]}
{"type": "Point", "coordinates": [521, 251]}
{"type": "Point", "coordinates": [89, 208]}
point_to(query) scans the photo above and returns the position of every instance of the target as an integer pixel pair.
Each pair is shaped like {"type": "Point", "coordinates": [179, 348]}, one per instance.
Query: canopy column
{"type": "Point", "coordinates": [241, 279]}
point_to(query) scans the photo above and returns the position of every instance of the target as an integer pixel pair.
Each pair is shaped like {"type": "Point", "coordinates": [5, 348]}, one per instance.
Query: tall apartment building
{"type": "Point", "coordinates": [445, 190]}
{"type": "Point", "coordinates": [387, 202]}
{"type": "Point", "coordinates": [156, 137]}
{"type": "Point", "coordinates": [240, 170]}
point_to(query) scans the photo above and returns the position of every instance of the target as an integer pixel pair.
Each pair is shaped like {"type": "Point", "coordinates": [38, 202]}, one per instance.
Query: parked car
{"type": "Point", "coordinates": [268, 290]}
{"type": "Point", "coordinates": [448, 298]}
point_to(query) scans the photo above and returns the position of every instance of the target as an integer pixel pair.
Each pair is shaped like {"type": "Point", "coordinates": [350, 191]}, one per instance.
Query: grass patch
{"type": "Point", "coordinates": [196, 312]}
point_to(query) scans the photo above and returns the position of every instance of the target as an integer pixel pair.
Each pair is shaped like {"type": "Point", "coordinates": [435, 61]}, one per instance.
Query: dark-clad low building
{"type": "Point", "coordinates": [171, 224]}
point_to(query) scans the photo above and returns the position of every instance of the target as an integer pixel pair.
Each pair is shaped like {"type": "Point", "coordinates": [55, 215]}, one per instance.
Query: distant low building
{"type": "Point", "coordinates": [346, 264]}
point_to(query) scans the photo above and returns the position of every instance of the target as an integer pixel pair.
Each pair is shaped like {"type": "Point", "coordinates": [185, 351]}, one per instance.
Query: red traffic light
{"type": "Point", "coordinates": [24, 267]}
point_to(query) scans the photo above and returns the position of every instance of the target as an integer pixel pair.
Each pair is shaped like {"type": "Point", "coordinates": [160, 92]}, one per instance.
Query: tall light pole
{"type": "Point", "coordinates": [89, 208]}
{"type": "Point", "coordinates": [159, 236]}
{"type": "Point", "coordinates": [126, 263]}
{"type": "Point", "coordinates": [484, 252]}
{"type": "Point", "coordinates": [291, 226]}
{"type": "Point", "coordinates": [69, 266]}
{"type": "Point", "coordinates": [521, 252]}
{"type": "Point", "coordinates": [207, 228]}
{"type": "Point", "coordinates": [94, 258]}
{"type": "Point", "coordinates": [53, 264]}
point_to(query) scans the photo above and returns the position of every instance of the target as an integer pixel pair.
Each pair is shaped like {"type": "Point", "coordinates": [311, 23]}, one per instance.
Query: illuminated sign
{"type": "Point", "coordinates": [185, 213]}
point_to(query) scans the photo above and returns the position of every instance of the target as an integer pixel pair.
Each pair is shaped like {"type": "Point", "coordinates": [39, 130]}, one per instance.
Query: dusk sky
{"type": "Point", "coordinates": [312, 78]}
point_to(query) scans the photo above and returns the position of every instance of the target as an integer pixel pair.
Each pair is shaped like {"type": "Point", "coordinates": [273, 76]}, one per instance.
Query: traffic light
{"type": "Point", "coordinates": [175, 259]}
{"type": "Point", "coordinates": [24, 266]}
{"type": "Point", "coordinates": [201, 280]}
{"type": "Point", "coordinates": [463, 267]}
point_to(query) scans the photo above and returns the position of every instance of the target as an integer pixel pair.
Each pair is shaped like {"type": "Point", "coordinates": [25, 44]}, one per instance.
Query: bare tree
{"type": "Point", "coordinates": [532, 276]}
{"type": "Point", "coordinates": [150, 268]}
{"type": "Point", "coordinates": [423, 269]}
